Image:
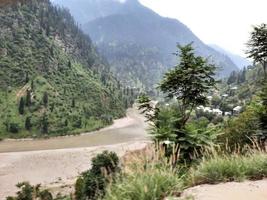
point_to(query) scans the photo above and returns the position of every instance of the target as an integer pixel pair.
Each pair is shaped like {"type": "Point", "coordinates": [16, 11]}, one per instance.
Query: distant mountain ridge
{"type": "Point", "coordinates": [138, 43]}
{"type": "Point", "coordinates": [239, 61]}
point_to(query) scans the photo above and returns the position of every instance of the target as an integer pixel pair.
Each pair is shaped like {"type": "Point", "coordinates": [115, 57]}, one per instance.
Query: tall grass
{"type": "Point", "coordinates": [230, 167]}
{"type": "Point", "coordinates": [149, 175]}
{"type": "Point", "coordinates": [146, 176]}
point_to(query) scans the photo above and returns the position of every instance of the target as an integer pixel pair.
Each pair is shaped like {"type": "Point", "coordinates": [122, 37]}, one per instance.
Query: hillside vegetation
{"type": "Point", "coordinates": [52, 80]}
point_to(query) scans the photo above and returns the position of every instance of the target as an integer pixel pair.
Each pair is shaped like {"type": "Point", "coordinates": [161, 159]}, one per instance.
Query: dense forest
{"type": "Point", "coordinates": [52, 79]}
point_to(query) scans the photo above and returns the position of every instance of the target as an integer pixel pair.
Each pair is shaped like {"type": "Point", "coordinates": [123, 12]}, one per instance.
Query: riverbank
{"type": "Point", "coordinates": [130, 128]}
{"type": "Point", "coordinates": [56, 162]}
{"type": "Point", "coordinates": [54, 169]}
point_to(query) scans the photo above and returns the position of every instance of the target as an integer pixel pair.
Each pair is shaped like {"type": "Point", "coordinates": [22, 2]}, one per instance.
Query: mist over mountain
{"type": "Point", "coordinates": [239, 61]}
{"type": "Point", "coordinates": [137, 42]}
{"type": "Point", "coordinates": [86, 10]}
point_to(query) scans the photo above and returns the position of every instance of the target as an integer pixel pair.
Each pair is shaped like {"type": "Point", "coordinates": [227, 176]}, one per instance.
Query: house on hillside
{"type": "Point", "coordinates": [237, 109]}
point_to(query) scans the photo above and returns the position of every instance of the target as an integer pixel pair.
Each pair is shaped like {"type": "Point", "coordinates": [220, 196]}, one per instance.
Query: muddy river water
{"type": "Point", "coordinates": [56, 162]}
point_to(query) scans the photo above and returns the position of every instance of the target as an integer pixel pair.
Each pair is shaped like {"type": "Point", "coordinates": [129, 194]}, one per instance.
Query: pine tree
{"type": "Point", "coordinates": [232, 78]}
{"type": "Point", "coordinates": [45, 99]}
{"type": "Point", "coordinates": [32, 85]}
{"type": "Point", "coordinates": [28, 98]}
{"type": "Point", "coordinates": [73, 103]}
{"type": "Point", "coordinates": [69, 64]}
{"type": "Point", "coordinates": [21, 106]}
{"type": "Point", "coordinates": [27, 77]}
{"type": "Point", "coordinates": [44, 124]}
{"type": "Point", "coordinates": [28, 124]}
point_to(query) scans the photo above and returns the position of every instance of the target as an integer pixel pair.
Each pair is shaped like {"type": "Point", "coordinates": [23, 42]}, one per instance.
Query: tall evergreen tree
{"type": "Point", "coordinates": [44, 124]}
{"type": "Point", "coordinates": [21, 106]}
{"type": "Point", "coordinates": [45, 99]}
{"type": "Point", "coordinates": [28, 124]}
{"type": "Point", "coordinates": [27, 77]}
{"type": "Point", "coordinates": [28, 98]}
{"type": "Point", "coordinates": [73, 103]}
{"type": "Point", "coordinates": [232, 78]}
{"type": "Point", "coordinates": [32, 85]}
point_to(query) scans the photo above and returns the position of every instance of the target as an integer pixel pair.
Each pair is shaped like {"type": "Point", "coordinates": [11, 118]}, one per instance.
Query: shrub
{"type": "Point", "coordinates": [92, 184]}
{"type": "Point", "coordinates": [45, 195]}
{"type": "Point", "coordinates": [242, 130]}
{"type": "Point", "coordinates": [14, 127]}
{"type": "Point", "coordinates": [107, 161]}
{"type": "Point", "coordinates": [29, 192]}
{"type": "Point", "coordinates": [77, 123]}
{"type": "Point", "coordinates": [190, 139]}
{"type": "Point", "coordinates": [79, 188]}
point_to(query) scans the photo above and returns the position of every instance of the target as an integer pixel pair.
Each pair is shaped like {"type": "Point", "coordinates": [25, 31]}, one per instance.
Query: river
{"type": "Point", "coordinates": [56, 162]}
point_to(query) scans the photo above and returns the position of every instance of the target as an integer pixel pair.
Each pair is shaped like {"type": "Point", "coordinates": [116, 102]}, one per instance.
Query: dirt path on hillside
{"type": "Point", "coordinates": [56, 162]}
{"type": "Point", "coordinates": [22, 91]}
{"type": "Point", "coordinates": [248, 190]}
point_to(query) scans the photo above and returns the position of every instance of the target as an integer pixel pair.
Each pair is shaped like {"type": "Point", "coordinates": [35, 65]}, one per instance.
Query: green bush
{"type": "Point", "coordinates": [29, 192]}
{"type": "Point", "coordinates": [14, 127]}
{"type": "Point", "coordinates": [92, 184]}
{"type": "Point", "coordinates": [223, 168]}
{"type": "Point", "coordinates": [195, 136]}
{"type": "Point", "coordinates": [242, 130]}
{"type": "Point", "coordinates": [46, 195]}
{"type": "Point", "coordinates": [79, 188]}
{"type": "Point", "coordinates": [108, 161]}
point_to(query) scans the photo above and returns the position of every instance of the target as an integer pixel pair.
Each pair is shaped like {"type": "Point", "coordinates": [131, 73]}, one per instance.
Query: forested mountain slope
{"type": "Point", "coordinates": [138, 42]}
{"type": "Point", "coordinates": [52, 80]}
{"type": "Point", "coordinates": [239, 61]}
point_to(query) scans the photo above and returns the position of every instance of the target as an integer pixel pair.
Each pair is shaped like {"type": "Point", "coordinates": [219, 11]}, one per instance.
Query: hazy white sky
{"type": "Point", "coordinates": [226, 23]}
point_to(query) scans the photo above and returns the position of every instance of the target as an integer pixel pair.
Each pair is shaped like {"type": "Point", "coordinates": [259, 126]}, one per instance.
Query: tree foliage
{"type": "Point", "coordinates": [189, 81]}
{"type": "Point", "coordinates": [258, 45]}
{"type": "Point", "coordinates": [91, 185]}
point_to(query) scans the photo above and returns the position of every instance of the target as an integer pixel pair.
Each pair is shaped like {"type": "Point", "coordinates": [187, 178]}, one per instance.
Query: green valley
{"type": "Point", "coordinates": [123, 101]}
{"type": "Point", "coordinates": [52, 79]}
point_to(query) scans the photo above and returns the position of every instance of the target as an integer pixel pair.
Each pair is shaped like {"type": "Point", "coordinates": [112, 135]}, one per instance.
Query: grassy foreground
{"type": "Point", "coordinates": [236, 167]}
{"type": "Point", "coordinates": [153, 177]}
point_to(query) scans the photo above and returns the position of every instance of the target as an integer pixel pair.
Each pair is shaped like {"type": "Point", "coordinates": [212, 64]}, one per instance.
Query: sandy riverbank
{"type": "Point", "coordinates": [51, 168]}
{"type": "Point", "coordinates": [56, 162]}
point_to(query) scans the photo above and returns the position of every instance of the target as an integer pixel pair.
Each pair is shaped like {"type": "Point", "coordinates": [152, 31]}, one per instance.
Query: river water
{"type": "Point", "coordinates": [55, 163]}
{"type": "Point", "coordinates": [130, 128]}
